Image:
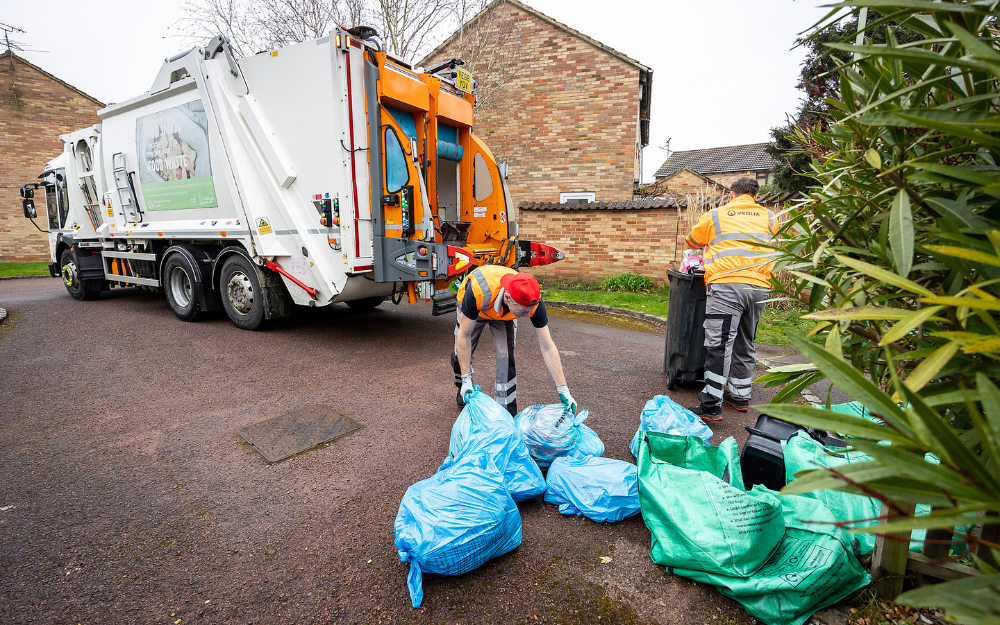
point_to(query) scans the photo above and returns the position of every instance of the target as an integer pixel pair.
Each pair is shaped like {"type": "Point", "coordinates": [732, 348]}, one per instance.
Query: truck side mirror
{"type": "Point", "coordinates": [27, 192]}
{"type": "Point", "coordinates": [29, 208]}
{"type": "Point", "coordinates": [503, 169]}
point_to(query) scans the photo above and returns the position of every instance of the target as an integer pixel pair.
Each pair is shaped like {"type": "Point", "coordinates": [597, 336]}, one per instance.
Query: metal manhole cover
{"type": "Point", "coordinates": [297, 431]}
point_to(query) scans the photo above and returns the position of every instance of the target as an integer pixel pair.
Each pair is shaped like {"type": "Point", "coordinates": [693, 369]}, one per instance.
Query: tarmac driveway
{"type": "Point", "coordinates": [126, 495]}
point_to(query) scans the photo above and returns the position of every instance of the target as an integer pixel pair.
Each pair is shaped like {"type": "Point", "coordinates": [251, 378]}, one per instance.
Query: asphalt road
{"type": "Point", "coordinates": [126, 495]}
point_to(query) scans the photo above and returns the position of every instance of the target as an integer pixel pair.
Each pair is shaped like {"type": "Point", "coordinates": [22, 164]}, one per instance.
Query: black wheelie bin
{"type": "Point", "coordinates": [684, 358]}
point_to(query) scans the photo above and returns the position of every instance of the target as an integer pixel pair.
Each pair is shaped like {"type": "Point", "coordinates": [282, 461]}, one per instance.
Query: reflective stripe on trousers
{"type": "Point", "coordinates": [504, 338]}
{"type": "Point", "coordinates": [732, 312]}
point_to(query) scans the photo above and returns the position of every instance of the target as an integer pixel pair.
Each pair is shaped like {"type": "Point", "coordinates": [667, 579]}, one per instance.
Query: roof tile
{"type": "Point", "coordinates": [747, 157]}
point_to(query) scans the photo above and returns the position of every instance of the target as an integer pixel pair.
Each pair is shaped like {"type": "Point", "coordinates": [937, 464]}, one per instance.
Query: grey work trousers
{"type": "Point", "coordinates": [504, 338]}
{"type": "Point", "coordinates": [732, 311]}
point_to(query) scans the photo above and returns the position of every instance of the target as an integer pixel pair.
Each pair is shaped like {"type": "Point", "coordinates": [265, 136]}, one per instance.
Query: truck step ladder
{"type": "Point", "coordinates": [123, 182]}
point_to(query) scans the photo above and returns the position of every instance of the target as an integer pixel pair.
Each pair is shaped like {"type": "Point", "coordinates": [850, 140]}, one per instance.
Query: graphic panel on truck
{"type": "Point", "coordinates": [175, 167]}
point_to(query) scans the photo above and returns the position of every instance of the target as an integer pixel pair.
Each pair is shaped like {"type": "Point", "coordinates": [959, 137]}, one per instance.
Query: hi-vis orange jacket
{"type": "Point", "coordinates": [485, 285]}
{"type": "Point", "coordinates": [723, 233]}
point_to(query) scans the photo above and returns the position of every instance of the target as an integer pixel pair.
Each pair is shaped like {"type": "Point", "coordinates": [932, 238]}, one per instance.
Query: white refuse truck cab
{"type": "Point", "coordinates": [322, 172]}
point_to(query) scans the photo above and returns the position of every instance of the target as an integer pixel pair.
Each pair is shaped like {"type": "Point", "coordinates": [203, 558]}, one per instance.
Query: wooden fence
{"type": "Point", "coordinates": [892, 558]}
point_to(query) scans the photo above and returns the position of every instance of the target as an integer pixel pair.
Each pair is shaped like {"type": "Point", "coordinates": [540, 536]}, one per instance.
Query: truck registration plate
{"type": "Point", "coordinates": [464, 80]}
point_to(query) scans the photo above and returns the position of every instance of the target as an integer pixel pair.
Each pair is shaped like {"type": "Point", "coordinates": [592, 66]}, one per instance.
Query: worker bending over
{"type": "Point", "coordinates": [738, 278]}
{"type": "Point", "coordinates": [498, 296]}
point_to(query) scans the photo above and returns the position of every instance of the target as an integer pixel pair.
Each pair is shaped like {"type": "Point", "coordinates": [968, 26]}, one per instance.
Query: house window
{"type": "Point", "coordinates": [577, 198]}
{"type": "Point", "coordinates": [762, 177]}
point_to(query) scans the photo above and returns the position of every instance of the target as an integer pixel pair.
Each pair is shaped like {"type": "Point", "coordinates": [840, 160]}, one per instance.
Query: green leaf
{"type": "Point", "coordinates": [908, 323]}
{"type": "Point", "coordinates": [930, 367]}
{"type": "Point", "coordinates": [930, 522]}
{"type": "Point", "coordinates": [946, 444]}
{"type": "Point", "coordinates": [833, 421]}
{"type": "Point", "coordinates": [855, 384]}
{"type": "Point", "coordinates": [950, 128]}
{"type": "Point", "coordinates": [967, 254]}
{"type": "Point", "coordinates": [865, 313]}
{"type": "Point", "coordinates": [962, 302]}
{"type": "Point", "coordinates": [954, 397]}
{"type": "Point", "coordinates": [943, 595]}
{"type": "Point", "coordinates": [957, 210]}
{"type": "Point", "coordinates": [873, 158]}
{"type": "Point", "coordinates": [991, 403]}
{"type": "Point", "coordinates": [793, 389]}
{"type": "Point", "coordinates": [913, 468]}
{"type": "Point", "coordinates": [964, 174]}
{"type": "Point", "coordinates": [901, 233]}
{"type": "Point", "coordinates": [881, 274]}
{"type": "Point", "coordinates": [833, 343]}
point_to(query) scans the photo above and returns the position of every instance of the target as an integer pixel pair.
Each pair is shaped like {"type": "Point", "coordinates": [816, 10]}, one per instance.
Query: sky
{"type": "Point", "coordinates": [724, 71]}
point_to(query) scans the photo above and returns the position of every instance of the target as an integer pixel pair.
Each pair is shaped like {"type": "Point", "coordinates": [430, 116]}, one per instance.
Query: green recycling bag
{"type": "Point", "coordinates": [811, 569]}
{"type": "Point", "coordinates": [693, 502]}
{"type": "Point", "coordinates": [803, 453]}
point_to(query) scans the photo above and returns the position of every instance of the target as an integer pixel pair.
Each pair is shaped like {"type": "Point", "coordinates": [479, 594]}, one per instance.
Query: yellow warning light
{"type": "Point", "coordinates": [275, 53]}
{"type": "Point", "coordinates": [338, 40]}
{"type": "Point", "coordinates": [222, 232]}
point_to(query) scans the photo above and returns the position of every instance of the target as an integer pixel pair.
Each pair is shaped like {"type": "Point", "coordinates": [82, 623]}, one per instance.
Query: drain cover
{"type": "Point", "coordinates": [297, 431]}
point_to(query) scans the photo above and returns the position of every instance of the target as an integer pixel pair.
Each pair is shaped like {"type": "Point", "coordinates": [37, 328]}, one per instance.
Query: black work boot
{"type": "Point", "coordinates": [713, 413]}
{"type": "Point", "coordinates": [460, 400]}
{"type": "Point", "coordinates": [735, 403]}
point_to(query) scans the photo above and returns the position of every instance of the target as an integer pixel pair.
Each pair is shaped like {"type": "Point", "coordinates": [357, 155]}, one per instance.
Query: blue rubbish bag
{"type": "Point", "coordinates": [455, 521]}
{"type": "Point", "coordinates": [662, 414]}
{"type": "Point", "coordinates": [479, 410]}
{"type": "Point", "coordinates": [552, 431]}
{"type": "Point", "coordinates": [601, 489]}
{"type": "Point", "coordinates": [501, 441]}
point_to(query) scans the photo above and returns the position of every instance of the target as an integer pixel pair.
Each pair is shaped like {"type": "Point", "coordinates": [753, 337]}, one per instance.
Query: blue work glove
{"type": "Point", "coordinates": [468, 388]}
{"type": "Point", "coordinates": [566, 399]}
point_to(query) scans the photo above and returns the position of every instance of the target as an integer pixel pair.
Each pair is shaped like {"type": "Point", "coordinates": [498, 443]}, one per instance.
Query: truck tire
{"type": "Point", "coordinates": [368, 303]}
{"type": "Point", "coordinates": [242, 296]}
{"type": "Point", "coordinates": [182, 287]}
{"type": "Point", "coordinates": [69, 270]}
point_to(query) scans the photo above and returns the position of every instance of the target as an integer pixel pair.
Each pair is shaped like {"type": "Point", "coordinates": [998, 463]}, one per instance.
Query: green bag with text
{"type": "Point", "coordinates": [803, 453]}
{"type": "Point", "coordinates": [813, 567]}
{"type": "Point", "coordinates": [694, 504]}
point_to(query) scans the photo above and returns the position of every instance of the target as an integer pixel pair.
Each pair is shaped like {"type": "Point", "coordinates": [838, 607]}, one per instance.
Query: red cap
{"type": "Point", "coordinates": [523, 288]}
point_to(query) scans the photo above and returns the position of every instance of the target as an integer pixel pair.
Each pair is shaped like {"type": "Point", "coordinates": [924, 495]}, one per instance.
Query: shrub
{"type": "Point", "coordinates": [628, 282]}
{"type": "Point", "coordinates": [899, 245]}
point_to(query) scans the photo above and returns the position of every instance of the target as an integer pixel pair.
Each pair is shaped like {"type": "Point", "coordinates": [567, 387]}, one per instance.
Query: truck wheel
{"type": "Point", "coordinates": [182, 288]}
{"type": "Point", "coordinates": [368, 303]}
{"type": "Point", "coordinates": [242, 296]}
{"type": "Point", "coordinates": [69, 270]}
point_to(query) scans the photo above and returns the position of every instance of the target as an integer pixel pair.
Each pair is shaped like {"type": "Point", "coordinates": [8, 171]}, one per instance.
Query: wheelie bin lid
{"type": "Point", "coordinates": [673, 273]}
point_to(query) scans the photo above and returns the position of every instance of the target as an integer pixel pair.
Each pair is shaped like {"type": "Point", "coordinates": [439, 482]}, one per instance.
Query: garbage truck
{"type": "Point", "coordinates": [321, 172]}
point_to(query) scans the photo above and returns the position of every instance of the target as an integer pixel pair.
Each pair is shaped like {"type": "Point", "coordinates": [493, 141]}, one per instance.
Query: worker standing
{"type": "Point", "coordinates": [497, 296]}
{"type": "Point", "coordinates": [737, 274]}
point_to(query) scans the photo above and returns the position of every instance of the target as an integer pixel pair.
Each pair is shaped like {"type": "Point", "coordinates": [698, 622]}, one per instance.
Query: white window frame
{"type": "Point", "coordinates": [589, 196]}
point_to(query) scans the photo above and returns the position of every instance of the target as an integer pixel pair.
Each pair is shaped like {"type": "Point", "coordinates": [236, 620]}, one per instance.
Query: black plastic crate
{"type": "Point", "coordinates": [762, 459]}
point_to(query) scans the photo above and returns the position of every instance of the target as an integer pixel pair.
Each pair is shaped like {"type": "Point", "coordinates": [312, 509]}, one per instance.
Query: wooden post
{"type": "Point", "coordinates": [991, 532]}
{"type": "Point", "coordinates": [889, 559]}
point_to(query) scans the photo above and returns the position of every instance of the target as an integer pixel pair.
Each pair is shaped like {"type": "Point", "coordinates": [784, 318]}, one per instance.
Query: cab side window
{"type": "Point", "coordinates": [482, 184]}
{"type": "Point", "coordinates": [396, 172]}
{"type": "Point", "coordinates": [52, 206]}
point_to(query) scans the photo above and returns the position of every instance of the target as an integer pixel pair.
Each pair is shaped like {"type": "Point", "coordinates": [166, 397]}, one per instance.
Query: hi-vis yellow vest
{"type": "Point", "coordinates": [485, 285]}
{"type": "Point", "coordinates": [723, 232]}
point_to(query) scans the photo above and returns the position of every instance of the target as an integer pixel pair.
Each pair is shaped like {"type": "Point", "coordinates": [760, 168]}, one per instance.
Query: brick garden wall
{"type": "Point", "coordinates": [602, 243]}
{"type": "Point", "coordinates": [29, 137]}
{"type": "Point", "coordinates": [567, 115]}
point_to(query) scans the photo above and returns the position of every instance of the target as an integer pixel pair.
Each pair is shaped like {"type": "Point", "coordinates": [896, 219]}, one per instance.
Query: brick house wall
{"type": "Point", "coordinates": [29, 137]}
{"type": "Point", "coordinates": [567, 117]}
{"type": "Point", "coordinates": [729, 177]}
{"type": "Point", "coordinates": [603, 242]}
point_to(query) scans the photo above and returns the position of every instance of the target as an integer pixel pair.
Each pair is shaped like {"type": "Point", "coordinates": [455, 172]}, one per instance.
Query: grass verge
{"type": "Point", "coordinates": [8, 270]}
{"type": "Point", "coordinates": [774, 328]}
